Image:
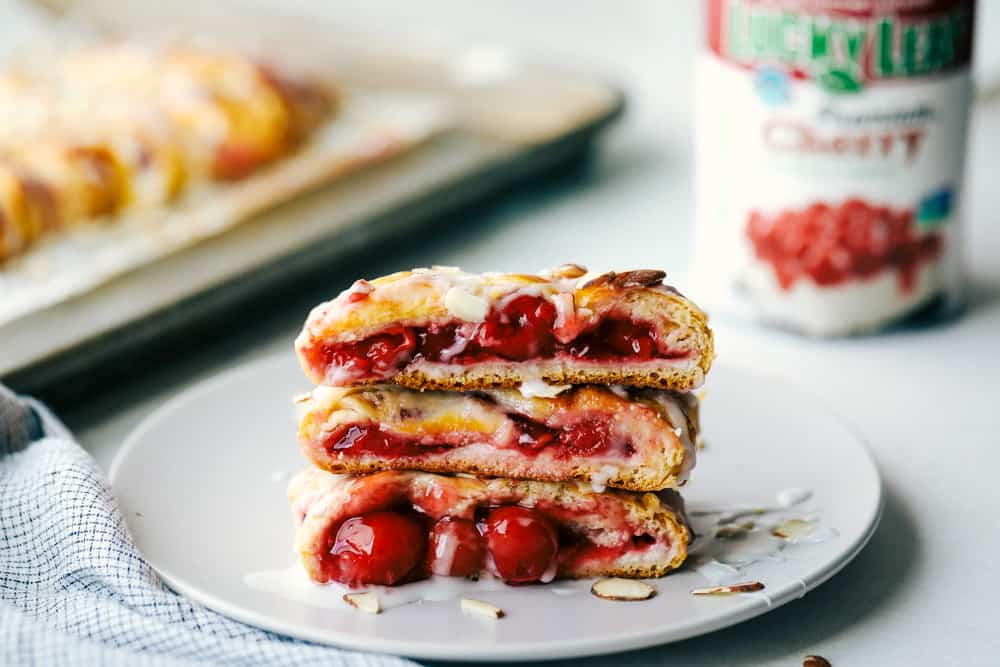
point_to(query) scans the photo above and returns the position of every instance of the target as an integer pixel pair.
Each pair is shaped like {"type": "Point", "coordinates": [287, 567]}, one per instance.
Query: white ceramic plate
{"type": "Point", "coordinates": [202, 485]}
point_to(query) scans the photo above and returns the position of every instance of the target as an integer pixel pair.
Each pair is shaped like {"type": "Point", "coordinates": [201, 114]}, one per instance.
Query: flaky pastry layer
{"type": "Point", "coordinates": [642, 440]}
{"type": "Point", "coordinates": [612, 520]}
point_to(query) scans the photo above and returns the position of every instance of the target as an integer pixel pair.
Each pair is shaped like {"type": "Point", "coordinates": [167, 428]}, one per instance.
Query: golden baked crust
{"type": "Point", "coordinates": [440, 296]}
{"type": "Point", "coordinates": [321, 501]}
{"type": "Point", "coordinates": [651, 433]}
{"type": "Point", "coordinates": [115, 127]}
{"type": "Point", "coordinates": [509, 375]}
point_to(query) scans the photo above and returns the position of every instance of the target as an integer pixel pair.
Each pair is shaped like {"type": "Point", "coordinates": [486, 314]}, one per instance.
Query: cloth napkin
{"type": "Point", "coordinates": [73, 587]}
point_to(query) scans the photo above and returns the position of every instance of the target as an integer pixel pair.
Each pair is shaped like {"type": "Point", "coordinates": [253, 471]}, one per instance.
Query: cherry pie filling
{"type": "Point", "coordinates": [589, 436]}
{"type": "Point", "coordinates": [522, 329]}
{"type": "Point", "coordinates": [831, 245]}
{"type": "Point", "coordinates": [520, 545]}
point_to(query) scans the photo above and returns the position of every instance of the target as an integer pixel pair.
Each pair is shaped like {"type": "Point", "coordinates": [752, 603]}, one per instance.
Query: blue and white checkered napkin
{"type": "Point", "coordinates": [73, 588]}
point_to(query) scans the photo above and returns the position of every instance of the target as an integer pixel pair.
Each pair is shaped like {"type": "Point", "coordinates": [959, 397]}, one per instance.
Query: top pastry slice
{"type": "Point", "coordinates": [442, 328]}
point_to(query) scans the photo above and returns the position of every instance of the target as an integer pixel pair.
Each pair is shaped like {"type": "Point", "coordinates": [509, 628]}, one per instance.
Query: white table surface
{"type": "Point", "coordinates": [923, 591]}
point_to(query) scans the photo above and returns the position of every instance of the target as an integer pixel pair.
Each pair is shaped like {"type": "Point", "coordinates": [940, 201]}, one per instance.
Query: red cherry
{"type": "Point", "coordinates": [522, 542]}
{"type": "Point", "coordinates": [787, 271]}
{"type": "Point", "coordinates": [532, 434]}
{"type": "Point", "coordinates": [586, 437]}
{"type": "Point", "coordinates": [354, 437]}
{"type": "Point", "coordinates": [628, 340]}
{"type": "Point", "coordinates": [834, 245]}
{"type": "Point", "coordinates": [522, 330]}
{"type": "Point", "coordinates": [370, 439]}
{"type": "Point", "coordinates": [387, 349]}
{"type": "Point", "coordinates": [435, 340]}
{"type": "Point", "coordinates": [378, 548]}
{"type": "Point", "coordinates": [456, 548]}
{"type": "Point", "coordinates": [796, 236]}
{"type": "Point", "coordinates": [757, 228]}
{"type": "Point", "coordinates": [376, 355]}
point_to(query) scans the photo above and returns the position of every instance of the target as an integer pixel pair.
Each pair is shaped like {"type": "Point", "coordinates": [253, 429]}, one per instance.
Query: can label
{"type": "Point", "coordinates": [830, 148]}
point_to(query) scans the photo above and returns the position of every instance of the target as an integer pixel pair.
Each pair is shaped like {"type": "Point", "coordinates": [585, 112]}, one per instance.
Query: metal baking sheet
{"type": "Point", "coordinates": [514, 121]}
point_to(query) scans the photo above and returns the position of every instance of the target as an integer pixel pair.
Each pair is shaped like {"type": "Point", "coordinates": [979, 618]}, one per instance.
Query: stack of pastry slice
{"type": "Point", "coordinates": [525, 427]}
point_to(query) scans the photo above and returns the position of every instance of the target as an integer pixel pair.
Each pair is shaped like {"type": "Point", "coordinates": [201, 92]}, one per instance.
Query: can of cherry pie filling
{"type": "Point", "coordinates": [830, 147]}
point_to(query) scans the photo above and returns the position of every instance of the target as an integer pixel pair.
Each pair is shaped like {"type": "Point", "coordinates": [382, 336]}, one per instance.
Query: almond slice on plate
{"type": "Point", "coordinates": [792, 529]}
{"type": "Point", "coordinates": [622, 589]}
{"type": "Point", "coordinates": [367, 602]}
{"type": "Point", "coordinates": [480, 608]}
{"type": "Point", "coordinates": [744, 587]}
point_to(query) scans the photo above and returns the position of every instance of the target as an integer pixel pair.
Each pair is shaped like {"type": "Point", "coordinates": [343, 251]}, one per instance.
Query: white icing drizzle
{"type": "Point", "coordinates": [464, 305]}
{"type": "Point", "coordinates": [294, 584]}
{"type": "Point", "coordinates": [444, 552]}
{"type": "Point", "coordinates": [436, 589]}
{"type": "Point", "coordinates": [565, 316]}
{"type": "Point", "coordinates": [723, 559]}
{"type": "Point", "coordinates": [599, 478]}
{"type": "Point", "coordinates": [323, 397]}
{"type": "Point", "coordinates": [679, 421]}
{"type": "Point", "coordinates": [571, 587]}
{"type": "Point", "coordinates": [539, 388]}
{"type": "Point", "coordinates": [462, 336]}
{"type": "Point", "coordinates": [337, 374]}
{"type": "Point", "coordinates": [717, 573]}
{"type": "Point", "coordinates": [819, 534]}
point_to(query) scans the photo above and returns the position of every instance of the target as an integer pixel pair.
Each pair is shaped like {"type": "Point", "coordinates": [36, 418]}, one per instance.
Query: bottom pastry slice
{"type": "Point", "coordinates": [394, 527]}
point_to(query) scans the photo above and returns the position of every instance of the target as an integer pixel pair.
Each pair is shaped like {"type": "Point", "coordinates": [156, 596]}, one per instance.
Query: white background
{"type": "Point", "coordinates": [925, 591]}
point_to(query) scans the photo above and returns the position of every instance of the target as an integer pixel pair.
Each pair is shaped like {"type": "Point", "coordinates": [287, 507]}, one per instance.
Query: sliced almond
{"type": "Point", "coordinates": [792, 529]}
{"type": "Point", "coordinates": [480, 608]}
{"type": "Point", "coordinates": [597, 281]}
{"type": "Point", "coordinates": [367, 602]}
{"type": "Point", "coordinates": [640, 278]}
{"type": "Point", "coordinates": [744, 587]}
{"type": "Point", "coordinates": [815, 661]}
{"type": "Point", "coordinates": [570, 271]}
{"type": "Point", "coordinates": [622, 589]}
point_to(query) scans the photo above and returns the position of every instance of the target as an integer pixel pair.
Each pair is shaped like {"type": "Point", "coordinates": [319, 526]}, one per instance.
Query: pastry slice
{"type": "Point", "coordinates": [86, 180]}
{"type": "Point", "coordinates": [27, 210]}
{"type": "Point", "coordinates": [638, 439]}
{"type": "Point", "coordinates": [394, 527]}
{"type": "Point", "coordinates": [122, 128]}
{"type": "Point", "coordinates": [230, 114]}
{"type": "Point", "coordinates": [137, 136]}
{"type": "Point", "coordinates": [441, 328]}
